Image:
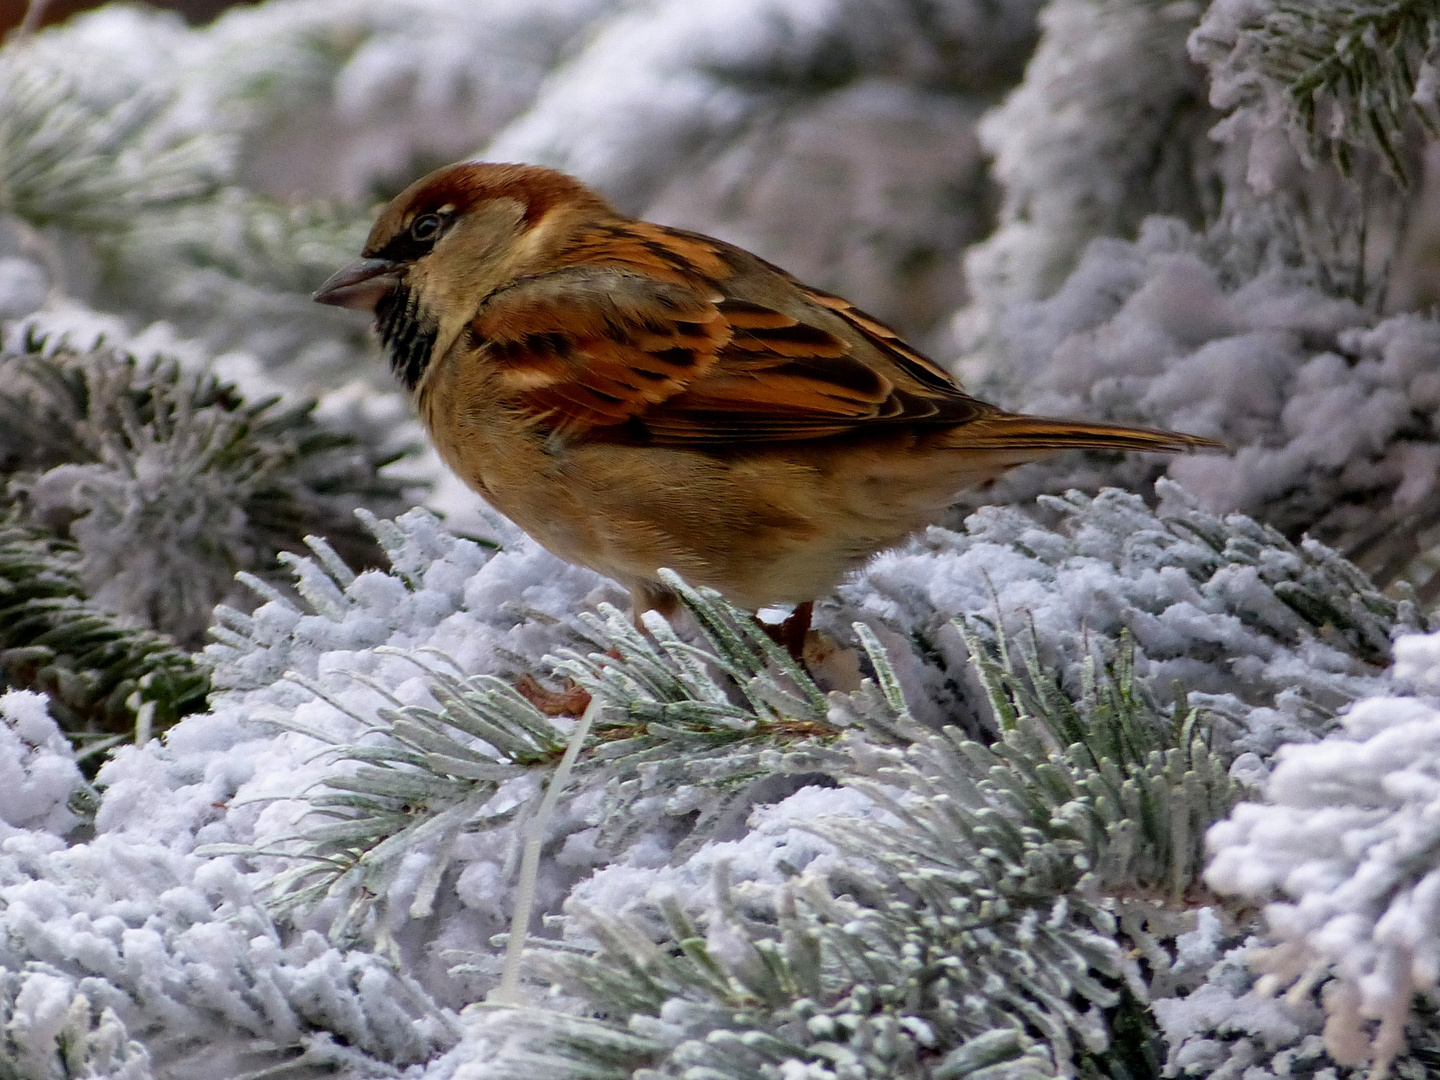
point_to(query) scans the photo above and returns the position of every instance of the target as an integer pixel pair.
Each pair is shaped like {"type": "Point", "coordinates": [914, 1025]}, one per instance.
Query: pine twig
{"type": "Point", "coordinates": [508, 992]}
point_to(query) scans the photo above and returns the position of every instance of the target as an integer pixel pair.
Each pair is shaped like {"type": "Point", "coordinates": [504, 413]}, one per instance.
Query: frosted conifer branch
{"type": "Point", "coordinates": [89, 1040]}
{"type": "Point", "coordinates": [169, 482]}
{"type": "Point", "coordinates": [684, 728]}
{"type": "Point", "coordinates": [98, 670]}
{"type": "Point", "coordinates": [248, 238]}
{"type": "Point", "coordinates": [91, 163]}
{"type": "Point", "coordinates": [1003, 852]}
{"type": "Point", "coordinates": [1080, 151]}
{"type": "Point", "coordinates": [1348, 75]}
{"type": "Point", "coordinates": [427, 778]}
{"type": "Point", "coordinates": [697, 728]}
{"type": "Point", "coordinates": [1346, 851]}
{"type": "Point", "coordinates": [1139, 787]}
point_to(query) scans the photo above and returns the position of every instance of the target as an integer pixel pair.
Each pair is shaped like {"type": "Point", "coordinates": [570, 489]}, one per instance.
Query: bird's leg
{"type": "Point", "coordinates": [791, 633]}
{"type": "Point", "coordinates": [652, 596]}
{"type": "Point", "coordinates": [794, 629]}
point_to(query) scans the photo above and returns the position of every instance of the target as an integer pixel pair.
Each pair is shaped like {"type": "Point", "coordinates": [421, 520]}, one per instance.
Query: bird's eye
{"type": "Point", "coordinates": [426, 227]}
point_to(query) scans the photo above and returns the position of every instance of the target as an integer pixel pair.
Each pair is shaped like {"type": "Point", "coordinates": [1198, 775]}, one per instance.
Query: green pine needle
{"type": "Point", "coordinates": [146, 457]}
{"type": "Point", "coordinates": [99, 671]}
{"type": "Point", "coordinates": [990, 938]}
{"type": "Point", "coordinates": [1350, 72]}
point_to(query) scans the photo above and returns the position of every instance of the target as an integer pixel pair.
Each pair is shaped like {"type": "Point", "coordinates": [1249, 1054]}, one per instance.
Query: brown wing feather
{"type": "Point", "coordinates": [589, 348]}
{"type": "Point", "coordinates": [640, 338]}
{"type": "Point", "coordinates": [1011, 431]}
{"type": "Point", "coordinates": [917, 365]}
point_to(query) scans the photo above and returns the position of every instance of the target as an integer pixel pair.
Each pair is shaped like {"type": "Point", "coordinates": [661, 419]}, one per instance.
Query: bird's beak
{"type": "Point", "coordinates": [360, 285]}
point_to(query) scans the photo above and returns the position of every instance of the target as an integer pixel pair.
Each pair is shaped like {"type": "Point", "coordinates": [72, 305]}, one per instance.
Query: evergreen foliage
{"type": "Point", "coordinates": [91, 157]}
{"type": "Point", "coordinates": [1353, 76]}
{"type": "Point", "coordinates": [1274, 636]}
{"type": "Point", "coordinates": [1142, 154]}
{"type": "Point", "coordinates": [1343, 848]}
{"type": "Point", "coordinates": [687, 733]}
{"type": "Point", "coordinates": [1011, 862]}
{"type": "Point", "coordinates": [1094, 782]}
{"type": "Point", "coordinates": [85, 1039]}
{"type": "Point", "coordinates": [248, 238]}
{"type": "Point", "coordinates": [169, 481]}
{"type": "Point", "coordinates": [135, 490]}
{"type": "Point", "coordinates": [237, 270]}
{"type": "Point", "coordinates": [987, 861]}
{"type": "Point", "coordinates": [104, 676]}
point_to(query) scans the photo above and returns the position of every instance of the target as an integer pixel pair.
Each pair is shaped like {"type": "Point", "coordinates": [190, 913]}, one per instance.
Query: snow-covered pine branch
{"type": "Point", "coordinates": [982, 863]}
{"type": "Point", "coordinates": [1347, 77]}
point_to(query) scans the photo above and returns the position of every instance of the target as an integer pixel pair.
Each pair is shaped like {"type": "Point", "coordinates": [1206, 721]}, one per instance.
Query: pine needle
{"type": "Point", "coordinates": [508, 992]}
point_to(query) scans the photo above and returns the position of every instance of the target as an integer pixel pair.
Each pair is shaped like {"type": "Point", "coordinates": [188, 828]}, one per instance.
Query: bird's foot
{"type": "Point", "coordinates": [571, 701]}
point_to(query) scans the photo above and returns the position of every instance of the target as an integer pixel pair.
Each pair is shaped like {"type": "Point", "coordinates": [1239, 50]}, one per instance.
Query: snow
{"type": "Point", "coordinates": [37, 768]}
{"type": "Point", "coordinates": [1114, 564]}
{"type": "Point", "coordinates": [776, 846]}
{"type": "Point", "coordinates": [177, 949]}
{"type": "Point", "coordinates": [23, 286]}
{"type": "Point", "coordinates": [1105, 128]}
{"type": "Point", "coordinates": [1344, 847]}
{"type": "Point", "coordinates": [1330, 412]}
{"type": "Point", "coordinates": [1092, 222]}
{"type": "Point", "coordinates": [232, 776]}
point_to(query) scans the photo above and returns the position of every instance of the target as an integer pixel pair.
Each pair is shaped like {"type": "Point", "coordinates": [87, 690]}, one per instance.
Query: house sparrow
{"type": "Point", "coordinates": [635, 396]}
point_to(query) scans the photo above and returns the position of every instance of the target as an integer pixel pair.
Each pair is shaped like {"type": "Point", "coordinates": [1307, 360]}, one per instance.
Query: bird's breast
{"type": "Point", "coordinates": [506, 457]}
{"type": "Point", "coordinates": [475, 433]}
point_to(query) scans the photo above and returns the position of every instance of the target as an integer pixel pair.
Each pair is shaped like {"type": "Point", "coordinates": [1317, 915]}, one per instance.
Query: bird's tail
{"type": "Point", "coordinates": [1036, 436]}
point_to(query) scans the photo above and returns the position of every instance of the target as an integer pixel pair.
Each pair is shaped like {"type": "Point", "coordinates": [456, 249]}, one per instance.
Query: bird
{"type": "Point", "coordinates": [636, 396]}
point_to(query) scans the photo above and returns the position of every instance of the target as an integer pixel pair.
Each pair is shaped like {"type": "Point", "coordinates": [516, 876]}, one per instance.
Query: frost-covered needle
{"type": "Point", "coordinates": [508, 992]}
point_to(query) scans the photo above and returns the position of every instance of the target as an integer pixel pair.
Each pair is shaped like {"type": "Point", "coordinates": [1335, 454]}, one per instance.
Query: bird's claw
{"type": "Point", "coordinates": [571, 701]}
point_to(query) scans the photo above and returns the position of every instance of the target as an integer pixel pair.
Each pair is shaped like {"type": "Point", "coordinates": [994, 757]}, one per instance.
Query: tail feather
{"type": "Point", "coordinates": [1012, 431]}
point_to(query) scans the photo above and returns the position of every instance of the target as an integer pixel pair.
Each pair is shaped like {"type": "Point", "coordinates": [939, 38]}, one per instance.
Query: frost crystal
{"type": "Point", "coordinates": [1345, 848]}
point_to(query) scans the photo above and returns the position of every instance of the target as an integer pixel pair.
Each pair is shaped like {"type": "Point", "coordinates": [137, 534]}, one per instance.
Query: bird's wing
{"type": "Point", "coordinates": [647, 336]}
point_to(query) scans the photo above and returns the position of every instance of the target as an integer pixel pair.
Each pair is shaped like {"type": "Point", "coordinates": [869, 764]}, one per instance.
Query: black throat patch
{"type": "Point", "coordinates": [408, 335]}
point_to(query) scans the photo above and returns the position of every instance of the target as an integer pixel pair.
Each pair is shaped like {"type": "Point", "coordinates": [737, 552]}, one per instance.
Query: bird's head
{"type": "Point", "coordinates": [448, 241]}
